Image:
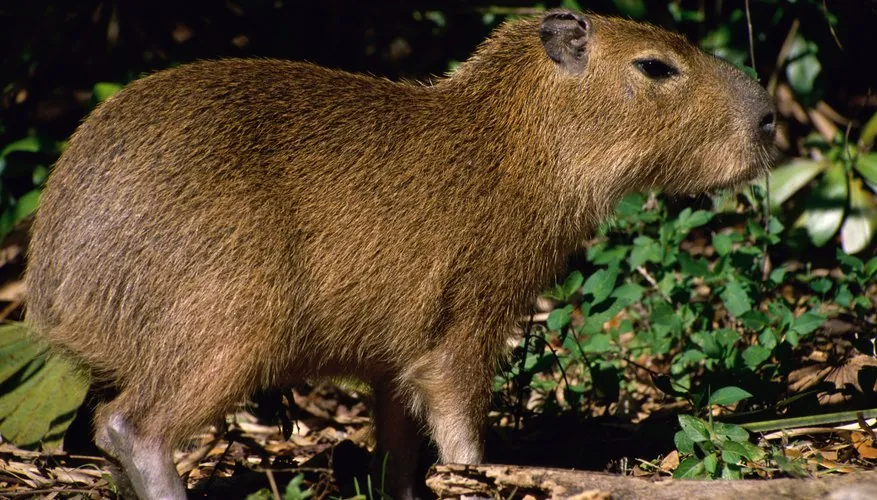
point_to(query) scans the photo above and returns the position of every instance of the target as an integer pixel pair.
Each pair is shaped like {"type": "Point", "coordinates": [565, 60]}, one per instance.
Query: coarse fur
{"type": "Point", "coordinates": [233, 225]}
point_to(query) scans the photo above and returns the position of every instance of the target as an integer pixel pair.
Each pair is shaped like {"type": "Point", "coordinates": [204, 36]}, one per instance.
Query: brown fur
{"type": "Point", "coordinates": [238, 224]}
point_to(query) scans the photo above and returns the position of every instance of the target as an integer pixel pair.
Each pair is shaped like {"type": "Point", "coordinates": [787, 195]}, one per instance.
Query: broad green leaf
{"type": "Point", "coordinates": [866, 165]}
{"type": "Point", "coordinates": [808, 322]}
{"type": "Point", "coordinates": [861, 223]}
{"type": "Point", "coordinates": [27, 205]}
{"type": "Point", "coordinates": [731, 432]}
{"type": "Point", "coordinates": [629, 293]}
{"type": "Point", "coordinates": [847, 260]}
{"type": "Point", "coordinates": [871, 267]}
{"type": "Point", "coordinates": [693, 267]}
{"type": "Point", "coordinates": [559, 317]}
{"type": "Point", "coordinates": [689, 220]}
{"type": "Point", "coordinates": [601, 284]}
{"type": "Point", "coordinates": [708, 344]}
{"type": "Point", "coordinates": [820, 285]}
{"type": "Point", "coordinates": [684, 444]}
{"type": "Point", "coordinates": [787, 179]}
{"type": "Point", "coordinates": [804, 67]}
{"type": "Point", "coordinates": [754, 320]}
{"type": "Point", "coordinates": [735, 299]}
{"type": "Point", "coordinates": [103, 90]}
{"type": "Point", "coordinates": [754, 355]}
{"type": "Point", "coordinates": [690, 468]}
{"type": "Point", "coordinates": [572, 283]}
{"type": "Point", "coordinates": [711, 463]}
{"type": "Point", "coordinates": [694, 428]}
{"type": "Point", "coordinates": [777, 275]}
{"type": "Point", "coordinates": [728, 395]}
{"type": "Point", "coordinates": [869, 132]}
{"type": "Point", "coordinates": [730, 472]}
{"type": "Point", "coordinates": [722, 244]}
{"type": "Point", "coordinates": [630, 205]}
{"type": "Point", "coordinates": [598, 343]}
{"type": "Point", "coordinates": [734, 451]}
{"type": "Point", "coordinates": [644, 250]}
{"type": "Point", "coordinates": [826, 205]}
{"type": "Point", "coordinates": [41, 403]}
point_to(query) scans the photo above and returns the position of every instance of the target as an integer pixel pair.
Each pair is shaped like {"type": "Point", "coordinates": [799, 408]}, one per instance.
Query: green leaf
{"type": "Point", "coordinates": [820, 285]}
{"type": "Point", "coordinates": [27, 205]}
{"type": "Point", "coordinates": [866, 165]}
{"type": "Point", "coordinates": [601, 284]}
{"type": "Point", "coordinates": [754, 355]}
{"type": "Point", "coordinates": [572, 283]}
{"type": "Point", "coordinates": [735, 299]}
{"type": "Point", "coordinates": [629, 293]}
{"type": "Point", "coordinates": [708, 344]}
{"type": "Point", "coordinates": [787, 179]}
{"type": "Point", "coordinates": [871, 267]}
{"type": "Point", "coordinates": [852, 263]}
{"type": "Point", "coordinates": [597, 343]}
{"type": "Point", "coordinates": [869, 132]}
{"type": "Point", "coordinates": [28, 144]}
{"type": "Point", "coordinates": [711, 463]}
{"type": "Point", "coordinates": [631, 205]}
{"type": "Point", "coordinates": [825, 206]}
{"type": "Point", "coordinates": [694, 428]}
{"type": "Point", "coordinates": [777, 275]}
{"type": "Point", "coordinates": [722, 244]}
{"type": "Point", "coordinates": [43, 395]}
{"type": "Point", "coordinates": [693, 267]}
{"type": "Point", "coordinates": [730, 472]}
{"type": "Point", "coordinates": [861, 223]}
{"type": "Point", "coordinates": [684, 444]}
{"type": "Point", "coordinates": [103, 90]}
{"type": "Point", "coordinates": [731, 432]}
{"type": "Point", "coordinates": [804, 67]}
{"type": "Point", "coordinates": [645, 249]}
{"type": "Point", "coordinates": [560, 317]}
{"type": "Point", "coordinates": [728, 395]}
{"type": "Point", "coordinates": [754, 320]}
{"type": "Point", "coordinates": [808, 322]}
{"type": "Point", "coordinates": [690, 468]}
{"type": "Point", "coordinates": [689, 220]}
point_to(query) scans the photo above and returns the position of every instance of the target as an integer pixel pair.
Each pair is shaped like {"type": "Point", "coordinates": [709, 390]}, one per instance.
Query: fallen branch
{"type": "Point", "coordinates": [505, 481]}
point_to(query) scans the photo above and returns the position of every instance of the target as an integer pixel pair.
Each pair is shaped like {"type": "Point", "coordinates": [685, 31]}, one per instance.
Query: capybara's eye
{"type": "Point", "coordinates": [655, 68]}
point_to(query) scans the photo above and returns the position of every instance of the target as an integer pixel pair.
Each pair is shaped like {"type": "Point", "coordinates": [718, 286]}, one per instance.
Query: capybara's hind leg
{"type": "Point", "coordinates": [147, 461]}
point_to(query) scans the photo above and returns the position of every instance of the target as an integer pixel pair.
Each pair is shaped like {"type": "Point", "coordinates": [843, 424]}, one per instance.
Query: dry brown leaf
{"type": "Point", "coordinates": [670, 462]}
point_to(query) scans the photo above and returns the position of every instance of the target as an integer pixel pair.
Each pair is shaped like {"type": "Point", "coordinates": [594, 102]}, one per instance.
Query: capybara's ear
{"type": "Point", "coordinates": [564, 36]}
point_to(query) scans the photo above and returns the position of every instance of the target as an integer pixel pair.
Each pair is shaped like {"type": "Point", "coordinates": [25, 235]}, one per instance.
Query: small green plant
{"type": "Point", "coordinates": [293, 491]}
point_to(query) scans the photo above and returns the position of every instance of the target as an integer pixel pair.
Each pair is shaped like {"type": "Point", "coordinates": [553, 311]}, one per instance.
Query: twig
{"type": "Point", "coordinates": [642, 270]}
{"type": "Point", "coordinates": [273, 484]}
{"type": "Point", "coordinates": [830, 27]}
{"type": "Point", "coordinates": [751, 43]}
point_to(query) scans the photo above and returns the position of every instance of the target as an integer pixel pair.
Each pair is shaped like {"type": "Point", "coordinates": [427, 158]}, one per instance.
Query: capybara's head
{"type": "Point", "coordinates": [642, 105]}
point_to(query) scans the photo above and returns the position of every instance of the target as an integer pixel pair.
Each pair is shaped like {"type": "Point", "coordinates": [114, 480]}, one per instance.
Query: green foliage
{"type": "Point", "coordinates": [713, 450]}
{"type": "Point", "coordinates": [707, 316]}
{"type": "Point", "coordinates": [835, 194]}
{"type": "Point", "coordinates": [23, 170]}
{"type": "Point", "coordinates": [39, 395]}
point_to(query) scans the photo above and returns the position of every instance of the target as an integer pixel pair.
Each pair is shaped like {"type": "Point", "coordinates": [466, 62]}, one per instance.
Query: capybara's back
{"type": "Point", "coordinates": [234, 225]}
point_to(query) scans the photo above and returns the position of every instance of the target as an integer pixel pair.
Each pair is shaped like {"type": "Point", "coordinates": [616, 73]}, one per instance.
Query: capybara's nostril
{"type": "Point", "coordinates": [767, 125]}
